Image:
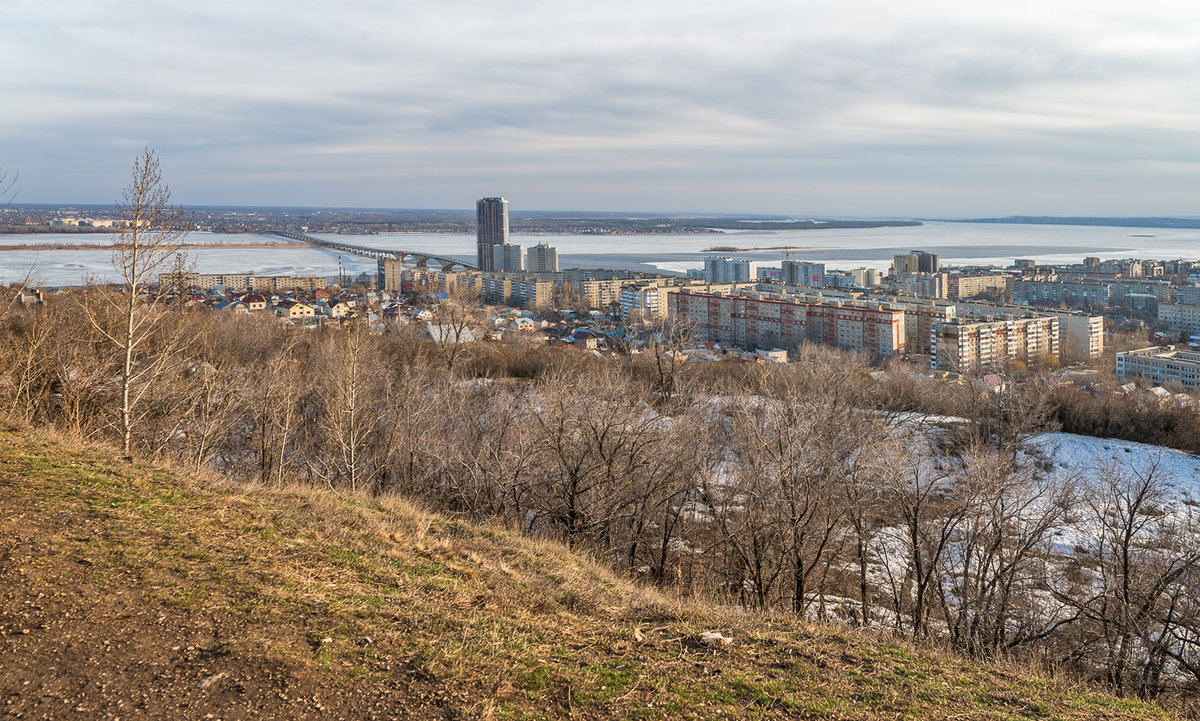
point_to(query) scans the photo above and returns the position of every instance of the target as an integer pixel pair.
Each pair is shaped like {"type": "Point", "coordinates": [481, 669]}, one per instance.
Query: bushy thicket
{"type": "Point", "coordinates": [811, 488]}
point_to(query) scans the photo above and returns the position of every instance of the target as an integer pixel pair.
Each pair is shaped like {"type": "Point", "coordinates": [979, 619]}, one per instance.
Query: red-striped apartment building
{"type": "Point", "coordinates": [773, 321]}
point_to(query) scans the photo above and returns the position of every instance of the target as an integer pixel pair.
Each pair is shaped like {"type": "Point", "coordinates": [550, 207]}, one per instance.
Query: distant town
{"type": "Point", "coordinates": [24, 219]}
{"type": "Point", "coordinates": [953, 320]}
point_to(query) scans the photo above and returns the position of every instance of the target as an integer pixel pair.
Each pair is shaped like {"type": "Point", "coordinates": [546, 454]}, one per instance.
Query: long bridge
{"type": "Point", "coordinates": [418, 258]}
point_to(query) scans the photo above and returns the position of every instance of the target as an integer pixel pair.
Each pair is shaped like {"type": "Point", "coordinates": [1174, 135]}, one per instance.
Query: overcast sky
{"type": "Point", "coordinates": [862, 108]}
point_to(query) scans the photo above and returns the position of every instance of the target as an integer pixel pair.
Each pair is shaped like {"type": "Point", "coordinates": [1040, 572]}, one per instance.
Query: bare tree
{"type": "Point", "coordinates": [666, 341]}
{"type": "Point", "coordinates": [1138, 613]}
{"type": "Point", "coordinates": [149, 242]}
{"type": "Point", "coordinates": [452, 326]}
{"type": "Point", "coordinates": [997, 574]}
{"type": "Point", "coordinates": [7, 188]}
{"type": "Point", "coordinates": [348, 400]}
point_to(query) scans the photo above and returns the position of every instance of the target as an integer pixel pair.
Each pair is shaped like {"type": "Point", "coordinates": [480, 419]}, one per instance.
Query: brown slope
{"type": "Point", "coordinates": [139, 593]}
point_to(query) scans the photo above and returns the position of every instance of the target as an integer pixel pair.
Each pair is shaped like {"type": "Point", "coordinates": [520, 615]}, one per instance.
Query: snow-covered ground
{"type": "Point", "coordinates": [1085, 457]}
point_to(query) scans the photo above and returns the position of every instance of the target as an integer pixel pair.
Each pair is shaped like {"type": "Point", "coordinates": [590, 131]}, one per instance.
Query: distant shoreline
{"type": "Point", "coordinates": [731, 249]}
{"type": "Point", "coordinates": [112, 246]}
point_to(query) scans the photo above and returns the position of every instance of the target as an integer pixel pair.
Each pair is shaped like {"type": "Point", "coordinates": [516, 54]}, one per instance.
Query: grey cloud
{"type": "Point", "coordinates": [637, 105]}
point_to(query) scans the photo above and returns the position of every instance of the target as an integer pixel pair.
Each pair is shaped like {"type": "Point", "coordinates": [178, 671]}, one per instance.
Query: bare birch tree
{"type": "Point", "coordinates": [149, 242]}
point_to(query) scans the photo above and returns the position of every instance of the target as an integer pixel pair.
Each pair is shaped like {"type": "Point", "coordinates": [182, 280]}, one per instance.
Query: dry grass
{"type": "Point", "coordinates": [474, 620]}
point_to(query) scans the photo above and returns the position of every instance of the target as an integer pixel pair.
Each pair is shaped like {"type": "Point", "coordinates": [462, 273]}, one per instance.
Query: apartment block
{"type": "Point", "coordinates": [866, 277]}
{"type": "Point", "coordinates": [391, 275]}
{"type": "Point", "coordinates": [542, 258]}
{"type": "Point", "coordinates": [924, 285]}
{"type": "Point", "coordinates": [1081, 336]}
{"type": "Point", "coordinates": [597, 294]}
{"type": "Point", "coordinates": [208, 281]}
{"type": "Point", "coordinates": [1077, 289]}
{"type": "Point", "coordinates": [1187, 294]}
{"type": "Point", "coordinates": [720, 269]}
{"type": "Point", "coordinates": [919, 322]}
{"type": "Point", "coordinates": [458, 282]}
{"type": "Point", "coordinates": [522, 290]}
{"type": "Point", "coordinates": [1181, 319]}
{"type": "Point", "coordinates": [533, 292]}
{"type": "Point", "coordinates": [644, 301]}
{"type": "Point", "coordinates": [914, 261]}
{"type": "Point", "coordinates": [248, 281]}
{"type": "Point", "coordinates": [287, 284]}
{"type": "Point", "coordinates": [776, 321]}
{"type": "Point", "coordinates": [920, 316]}
{"type": "Point", "coordinates": [1160, 365]}
{"type": "Point", "coordinates": [802, 273]}
{"type": "Point", "coordinates": [1056, 292]}
{"type": "Point", "coordinates": [508, 257]}
{"type": "Point", "coordinates": [962, 287]}
{"type": "Point", "coordinates": [964, 346]}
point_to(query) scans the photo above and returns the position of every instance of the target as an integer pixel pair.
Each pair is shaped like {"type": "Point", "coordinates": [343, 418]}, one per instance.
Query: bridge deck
{"type": "Point", "coordinates": [420, 258]}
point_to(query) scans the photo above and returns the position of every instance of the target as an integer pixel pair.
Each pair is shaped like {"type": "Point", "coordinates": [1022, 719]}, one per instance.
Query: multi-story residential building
{"type": "Point", "coordinates": [391, 275]}
{"type": "Point", "coordinates": [508, 258]}
{"type": "Point", "coordinates": [542, 258]}
{"type": "Point", "coordinates": [919, 321]}
{"type": "Point", "coordinates": [802, 273]}
{"type": "Point", "coordinates": [779, 321]}
{"type": "Point", "coordinates": [1187, 294]}
{"type": "Point", "coordinates": [1055, 292]}
{"type": "Point", "coordinates": [1160, 365]}
{"type": "Point", "coordinates": [1141, 293]}
{"type": "Point", "coordinates": [923, 285]}
{"type": "Point", "coordinates": [647, 302]}
{"type": "Point", "coordinates": [920, 315]}
{"type": "Point", "coordinates": [208, 281]}
{"type": "Point", "coordinates": [1078, 288]}
{"type": "Point", "coordinates": [1081, 337]}
{"type": "Point", "coordinates": [720, 269]}
{"type": "Point", "coordinates": [534, 292]}
{"type": "Point", "coordinates": [962, 287]}
{"type": "Point", "coordinates": [866, 277]}
{"type": "Point", "coordinates": [915, 261]}
{"type": "Point", "coordinates": [491, 229]}
{"type": "Point", "coordinates": [600, 289]}
{"type": "Point", "coordinates": [1181, 319]}
{"type": "Point", "coordinates": [247, 281]}
{"type": "Point", "coordinates": [525, 291]}
{"type": "Point", "coordinates": [287, 283]}
{"type": "Point", "coordinates": [496, 288]}
{"type": "Point", "coordinates": [839, 279]}
{"type": "Point", "coordinates": [458, 282]}
{"type": "Point", "coordinates": [595, 293]}
{"type": "Point", "coordinates": [965, 346]}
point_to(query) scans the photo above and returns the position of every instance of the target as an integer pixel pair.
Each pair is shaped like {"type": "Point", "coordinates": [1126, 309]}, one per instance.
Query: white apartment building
{"type": "Point", "coordinates": [798, 272]}
{"type": "Point", "coordinates": [1160, 365]}
{"type": "Point", "coordinates": [542, 258]}
{"type": "Point", "coordinates": [508, 258]}
{"type": "Point", "coordinates": [721, 269]}
{"type": "Point", "coordinates": [963, 346]}
{"type": "Point", "coordinates": [866, 277]}
{"type": "Point", "coordinates": [646, 301]}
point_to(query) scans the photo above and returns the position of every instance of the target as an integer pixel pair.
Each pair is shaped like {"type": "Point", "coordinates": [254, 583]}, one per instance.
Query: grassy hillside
{"type": "Point", "coordinates": [135, 592]}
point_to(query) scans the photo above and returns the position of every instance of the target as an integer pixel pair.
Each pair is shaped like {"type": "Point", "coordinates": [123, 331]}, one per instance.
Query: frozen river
{"type": "Point", "coordinates": [955, 243]}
